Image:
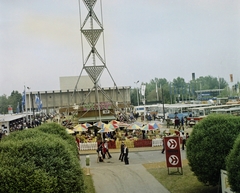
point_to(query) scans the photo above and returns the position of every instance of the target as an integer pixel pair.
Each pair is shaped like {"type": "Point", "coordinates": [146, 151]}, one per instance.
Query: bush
{"type": "Point", "coordinates": [233, 166]}
{"type": "Point", "coordinates": [34, 161]}
{"type": "Point", "coordinates": [210, 142]}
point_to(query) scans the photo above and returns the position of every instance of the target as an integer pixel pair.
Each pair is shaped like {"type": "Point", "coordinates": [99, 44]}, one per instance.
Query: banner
{"type": "Point", "coordinates": [231, 77]}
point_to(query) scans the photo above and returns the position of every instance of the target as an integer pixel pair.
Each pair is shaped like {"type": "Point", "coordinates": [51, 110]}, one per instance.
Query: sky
{"type": "Point", "coordinates": [40, 41]}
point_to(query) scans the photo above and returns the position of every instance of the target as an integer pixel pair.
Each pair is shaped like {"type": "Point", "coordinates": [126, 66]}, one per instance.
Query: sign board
{"type": "Point", "coordinates": [106, 112]}
{"type": "Point", "coordinates": [173, 154]}
{"type": "Point", "coordinates": [224, 182]}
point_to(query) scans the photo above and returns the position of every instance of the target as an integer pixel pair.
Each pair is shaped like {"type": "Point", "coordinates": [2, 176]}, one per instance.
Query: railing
{"type": "Point", "coordinates": [129, 143]}
{"type": "Point", "coordinates": [157, 142]}
{"type": "Point", "coordinates": [88, 146]}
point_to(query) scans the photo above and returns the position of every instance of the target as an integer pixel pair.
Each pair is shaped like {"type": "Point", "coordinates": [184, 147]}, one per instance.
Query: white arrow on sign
{"type": "Point", "coordinates": [172, 144]}
{"type": "Point", "coordinates": [173, 159]}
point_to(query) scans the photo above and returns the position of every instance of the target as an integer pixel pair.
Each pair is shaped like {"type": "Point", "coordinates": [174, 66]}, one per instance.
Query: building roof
{"type": "Point", "coordinates": [11, 117]}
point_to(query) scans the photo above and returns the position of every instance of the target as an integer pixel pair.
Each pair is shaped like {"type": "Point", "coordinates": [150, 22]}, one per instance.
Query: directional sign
{"type": "Point", "coordinates": [173, 154]}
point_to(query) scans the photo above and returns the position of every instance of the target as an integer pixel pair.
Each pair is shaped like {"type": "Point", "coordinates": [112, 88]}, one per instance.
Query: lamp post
{"type": "Point", "coordinates": [137, 92]}
{"type": "Point", "coordinates": [30, 118]}
{"type": "Point", "coordinates": [143, 88]}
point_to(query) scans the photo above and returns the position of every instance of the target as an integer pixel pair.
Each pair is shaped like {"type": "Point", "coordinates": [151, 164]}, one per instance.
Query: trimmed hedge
{"type": "Point", "coordinates": [210, 142]}
{"type": "Point", "coordinates": [34, 160]}
{"type": "Point", "coordinates": [233, 166]}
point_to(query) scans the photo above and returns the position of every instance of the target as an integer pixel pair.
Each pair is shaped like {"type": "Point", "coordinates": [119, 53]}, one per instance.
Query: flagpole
{"type": "Point", "coordinates": [157, 92]}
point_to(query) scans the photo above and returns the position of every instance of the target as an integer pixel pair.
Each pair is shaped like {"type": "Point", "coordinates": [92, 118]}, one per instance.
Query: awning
{"type": "Point", "coordinates": [11, 117]}
{"type": "Point", "coordinates": [96, 119]}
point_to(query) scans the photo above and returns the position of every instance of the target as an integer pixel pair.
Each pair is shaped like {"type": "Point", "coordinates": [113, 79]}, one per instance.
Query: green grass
{"type": "Point", "coordinates": [175, 183]}
{"type": "Point", "coordinates": [88, 182]}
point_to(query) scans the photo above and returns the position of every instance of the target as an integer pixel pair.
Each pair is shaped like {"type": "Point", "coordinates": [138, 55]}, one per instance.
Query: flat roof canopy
{"type": "Point", "coordinates": [96, 119]}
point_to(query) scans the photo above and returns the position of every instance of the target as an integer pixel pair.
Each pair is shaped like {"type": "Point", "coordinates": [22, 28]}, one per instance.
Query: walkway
{"type": "Point", "coordinates": [114, 176]}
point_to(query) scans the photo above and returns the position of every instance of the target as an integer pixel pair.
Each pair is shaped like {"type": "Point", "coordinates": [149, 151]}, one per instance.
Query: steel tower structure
{"type": "Point", "coordinates": [94, 62]}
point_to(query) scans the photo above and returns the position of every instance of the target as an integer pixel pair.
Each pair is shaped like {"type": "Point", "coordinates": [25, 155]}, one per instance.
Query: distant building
{"type": "Point", "coordinates": [82, 101]}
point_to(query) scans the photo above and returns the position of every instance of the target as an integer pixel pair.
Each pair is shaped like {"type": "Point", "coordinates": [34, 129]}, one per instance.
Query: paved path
{"type": "Point", "coordinates": [125, 179]}
{"type": "Point", "coordinates": [114, 176]}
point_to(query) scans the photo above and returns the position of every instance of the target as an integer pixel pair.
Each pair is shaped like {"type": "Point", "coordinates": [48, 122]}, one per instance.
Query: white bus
{"type": "Point", "coordinates": [234, 111]}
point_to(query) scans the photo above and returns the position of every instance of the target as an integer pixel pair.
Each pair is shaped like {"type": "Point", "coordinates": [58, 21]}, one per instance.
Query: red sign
{"type": "Point", "coordinates": [172, 149]}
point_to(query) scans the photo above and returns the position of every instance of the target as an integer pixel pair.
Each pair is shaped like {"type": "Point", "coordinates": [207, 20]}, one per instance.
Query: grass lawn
{"type": "Point", "coordinates": [88, 182]}
{"type": "Point", "coordinates": [186, 183]}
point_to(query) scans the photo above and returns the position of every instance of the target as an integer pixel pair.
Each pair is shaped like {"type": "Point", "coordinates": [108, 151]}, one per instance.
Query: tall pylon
{"type": "Point", "coordinates": [94, 61]}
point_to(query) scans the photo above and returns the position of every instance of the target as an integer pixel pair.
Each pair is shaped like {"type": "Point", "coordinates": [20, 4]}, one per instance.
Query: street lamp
{"type": "Point", "coordinates": [143, 88]}
{"type": "Point", "coordinates": [30, 119]}
{"type": "Point", "coordinates": [137, 92]}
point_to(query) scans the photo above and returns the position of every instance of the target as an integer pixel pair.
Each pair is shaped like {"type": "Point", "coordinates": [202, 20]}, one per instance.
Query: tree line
{"type": "Point", "coordinates": [14, 101]}
{"type": "Point", "coordinates": [160, 90]}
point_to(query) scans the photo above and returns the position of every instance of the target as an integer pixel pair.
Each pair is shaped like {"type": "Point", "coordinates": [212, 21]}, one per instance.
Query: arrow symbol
{"type": "Point", "coordinates": [173, 160]}
{"type": "Point", "coordinates": [172, 143]}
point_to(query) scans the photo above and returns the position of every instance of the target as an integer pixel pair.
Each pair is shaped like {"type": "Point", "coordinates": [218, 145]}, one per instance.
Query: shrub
{"type": "Point", "coordinates": [209, 144]}
{"type": "Point", "coordinates": [34, 161]}
{"type": "Point", "coordinates": [233, 166]}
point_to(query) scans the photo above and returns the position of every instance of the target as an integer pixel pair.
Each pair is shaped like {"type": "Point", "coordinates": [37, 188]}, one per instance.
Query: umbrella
{"type": "Point", "coordinates": [133, 126]}
{"type": "Point", "coordinates": [105, 129]}
{"type": "Point", "coordinates": [86, 125]}
{"type": "Point", "coordinates": [148, 127]}
{"type": "Point", "coordinates": [138, 123]}
{"type": "Point", "coordinates": [99, 124]}
{"type": "Point", "coordinates": [69, 131]}
{"type": "Point", "coordinates": [79, 127]}
{"type": "Point", "coordinates": [114, 122]}
{"type": "Point", "coordinates": [156, 125]}
{"type": "Point", "coordinates": [113, 125]}
{"type": "Point", "coordinates": [122, 124]}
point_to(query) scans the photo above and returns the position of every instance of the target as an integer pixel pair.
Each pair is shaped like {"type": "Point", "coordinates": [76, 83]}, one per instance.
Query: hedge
{"type": "Point", "coordinates": [34, 160]}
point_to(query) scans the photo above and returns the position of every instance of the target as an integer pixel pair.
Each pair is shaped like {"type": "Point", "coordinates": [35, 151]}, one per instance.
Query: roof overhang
{"type": "Point", "coordinates": [96, 119]}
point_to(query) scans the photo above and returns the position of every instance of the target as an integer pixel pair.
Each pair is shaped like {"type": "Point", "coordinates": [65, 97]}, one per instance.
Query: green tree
{"type": "Point", "coordinates": [233, 166]}
{"type": "Point", "coordinates": [15, 100]}
{"type": "Point", "coordinates": [3, 104]}
{"type": "Point", "coordinates": [179, 88]}
{"type": "Point", "coordinates": [210, 142]}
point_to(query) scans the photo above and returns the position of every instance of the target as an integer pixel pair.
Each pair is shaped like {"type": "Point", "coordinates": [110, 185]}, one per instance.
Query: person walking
{"type": "Point", "coordinates": [107, 150]}
{"type": "Point", "coordinates": [163, 149]}
{"type": "Point", "coordinates": [126, 155]}
{"type": "Point", "coordinates": [183, 140]}
{"type": "Point", "coordinates": [122, 152]}
{"type": "Point", "coordinates": [99, 153]}
{"type": "Point", "coordinates": [182, 123]}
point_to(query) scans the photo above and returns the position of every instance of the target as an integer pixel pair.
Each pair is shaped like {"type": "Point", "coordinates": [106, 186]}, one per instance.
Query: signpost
{"type": "Point", "coordinates": [173, 154]}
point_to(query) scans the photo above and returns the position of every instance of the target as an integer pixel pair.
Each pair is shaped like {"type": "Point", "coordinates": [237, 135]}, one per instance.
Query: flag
{"type": "Point", "coordinates": [40, 106]}
{"type": "Point", "coordinates": [38, 102]}
{"type": "Point", "coordinates": [156, 88]}
{"type": "Point", "coordinates": [143, 87]}
{"type": "Point", "coordinates": [23, 98]}
{"type": "Point", "coordinates": [231, 77]}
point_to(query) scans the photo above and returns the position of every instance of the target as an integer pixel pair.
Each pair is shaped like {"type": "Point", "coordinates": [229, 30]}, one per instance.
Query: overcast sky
{"type": "Point", "coordinates": [40, 41]}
